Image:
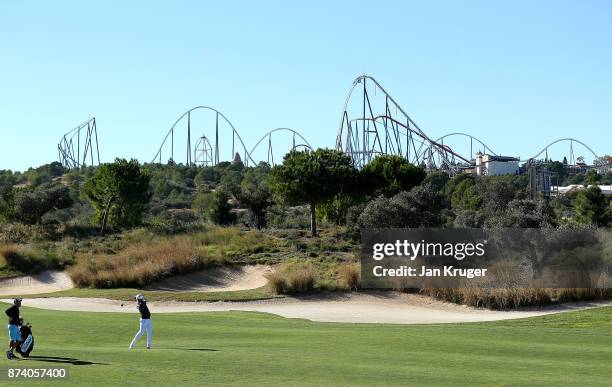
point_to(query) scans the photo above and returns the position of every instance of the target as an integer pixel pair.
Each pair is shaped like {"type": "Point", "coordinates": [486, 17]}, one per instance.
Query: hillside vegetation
{"type": "Point", "coordinates": [126, 225]}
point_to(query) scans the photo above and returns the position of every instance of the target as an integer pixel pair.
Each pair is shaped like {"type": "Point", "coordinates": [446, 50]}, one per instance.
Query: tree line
{"type": "Point", "coordinates": [387, 192]}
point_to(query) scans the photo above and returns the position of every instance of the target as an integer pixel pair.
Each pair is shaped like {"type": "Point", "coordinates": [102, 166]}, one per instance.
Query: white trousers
{"type": "Point", "coordinates": [145, 326]}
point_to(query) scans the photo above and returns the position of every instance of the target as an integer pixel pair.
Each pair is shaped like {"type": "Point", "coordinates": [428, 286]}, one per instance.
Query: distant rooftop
{"type": "Point", "coordinates": [497, 158]}
{"type": "Point", "coordinates": [503, 158]}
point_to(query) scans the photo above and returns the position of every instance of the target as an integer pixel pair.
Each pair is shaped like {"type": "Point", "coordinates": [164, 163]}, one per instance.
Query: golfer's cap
{"type": "Point", "coordinates": [139, 297]}
{"type": "Point", "coordinates": [16, 301]}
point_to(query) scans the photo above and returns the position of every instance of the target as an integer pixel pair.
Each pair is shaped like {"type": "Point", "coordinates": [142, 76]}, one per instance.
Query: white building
{"type": "Point", "coordinates": [489, 165]}
{"type": "Point", "coordinates": [605, 189]}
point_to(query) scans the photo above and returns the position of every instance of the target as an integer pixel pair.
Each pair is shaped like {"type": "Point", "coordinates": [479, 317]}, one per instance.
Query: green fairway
{"type": "Point", "coordinates": [127, 294]}
{"type": "Point", "coordinates": [252, 348]}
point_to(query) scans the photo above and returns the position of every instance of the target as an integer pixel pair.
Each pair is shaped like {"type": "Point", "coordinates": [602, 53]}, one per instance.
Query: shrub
{"type": "Point", "coordinates": [31, 205]}
{"type": "Point", "coordinates": [288, 217]}
{"type": "Point", "coordinates": [14, 233]}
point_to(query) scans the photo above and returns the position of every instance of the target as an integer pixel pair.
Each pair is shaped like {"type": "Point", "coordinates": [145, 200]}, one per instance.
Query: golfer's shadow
{"type": "Point", "coordinates": [200, 349]}
{"type": "Point", "coordinates": [67, 360]}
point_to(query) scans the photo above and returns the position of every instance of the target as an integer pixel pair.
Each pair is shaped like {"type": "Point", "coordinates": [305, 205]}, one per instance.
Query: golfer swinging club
{"type": "Point", "coordinates": [13, 328]}
{"type": "Point", "coordinates": [145, 322]}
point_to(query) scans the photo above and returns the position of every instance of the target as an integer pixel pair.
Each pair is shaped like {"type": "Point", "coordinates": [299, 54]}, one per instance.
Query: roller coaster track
{"type": "Point", "coordinates": [268, 135]}
{"type": "Point", "coordinates": [189, 160]}
{"type": "Point", "coordinates": [484, 147]}
{"type": "Point", "coordinates": [377, 125]}
{"type": "Point", "coordinates": [361, 133]}
{"type": "Point", "coordinates": [572, 159]}
{"type": "Point", "coordinates": [206, 149]}
{"type": "Point", "coordinates": [87, 133]}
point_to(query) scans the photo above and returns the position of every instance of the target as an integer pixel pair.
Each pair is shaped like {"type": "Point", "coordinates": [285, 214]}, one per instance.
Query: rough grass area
{"type": "Point", "coordinates": [18, 260]}
{"type": "Point", "coordinates": [145, 258]}
{"type": "Point", "coordinates": [232, 348]}
{"type": "Point", "coordinates": [140, 257]}
{"type": "Point", "coordinates": [513, 298]}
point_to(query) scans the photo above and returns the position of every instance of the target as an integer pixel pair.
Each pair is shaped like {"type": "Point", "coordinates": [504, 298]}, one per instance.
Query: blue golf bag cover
{"type": "Point", "coordinates": [27, 341]}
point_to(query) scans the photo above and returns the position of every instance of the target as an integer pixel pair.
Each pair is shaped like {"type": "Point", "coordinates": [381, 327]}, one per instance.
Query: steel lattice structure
{"type": "Point", "coordinates": [572, 158]}
{"type": "Point", "coordinates": [378, 125]}
{"type": "Point", "coordinates": [372, 123]}
{"type": "Point", "coordinates": [483, 148]}
{"type": "Point", "coordinates": [69, 147]}
{"type": "Point", "coordinates": [270, 148]}
{"type": "Point", "coordinates": [186, 117]}
{"type": "Point", "coordinates": [207, 150]}
{"type": "Point", "coordinates": [203, 153]}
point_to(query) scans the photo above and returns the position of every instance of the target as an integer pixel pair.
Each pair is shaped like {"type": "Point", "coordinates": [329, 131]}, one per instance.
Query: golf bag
{"type": "Point", "coordinates": [27, 341]}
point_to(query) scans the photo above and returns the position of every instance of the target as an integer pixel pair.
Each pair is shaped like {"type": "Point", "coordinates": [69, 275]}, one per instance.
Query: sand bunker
{"type": "Point", "coordinates": [46, 282]}
{"type": "Point", "coordinates": [389, 308]}
{"type": "Point", "coordinates": [218, 279]}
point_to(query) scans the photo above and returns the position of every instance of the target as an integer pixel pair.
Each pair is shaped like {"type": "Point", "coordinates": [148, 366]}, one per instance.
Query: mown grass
{"type": "Point", "coordinates": [241, 348]}
{"type": "Point", "coordinates": [127, 294]}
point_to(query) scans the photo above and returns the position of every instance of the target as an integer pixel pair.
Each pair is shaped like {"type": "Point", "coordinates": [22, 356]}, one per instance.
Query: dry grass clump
{"type": "Point", "coordinates": [512, 298]}
{"type": "Point", "coordinates": [499, 298]}
{"type": "Point", "coordinates": [349, 276]}
{"type": "Point", "coordinates": [301, 279]}
{"type": "Point", "coordinates": [277, 282]}
{"type": "Point", "coordinates": [292, 277]}
{"type": "Point", "coordinates": [570, 295]}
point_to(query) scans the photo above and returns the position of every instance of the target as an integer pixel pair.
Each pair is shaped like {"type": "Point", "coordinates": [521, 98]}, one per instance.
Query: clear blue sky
{"type": "Point", "coordinates": [516, 74]}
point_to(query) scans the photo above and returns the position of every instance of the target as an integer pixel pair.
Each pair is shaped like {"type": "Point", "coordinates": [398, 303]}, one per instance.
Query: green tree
{"type": "Point", "coordinates": [419, 207]}
{"type": "Point", "coordinates": [466, 196]}
{"type": "Point", "coordinates": [255, 193]}
{"type": "Point", "coordinates": [308, 177]}
{"type": "Point", "coordinates": [31, 204]}
{"type": "Point", "coordinates": [208, 175]}
{"type": "Point", "coordinates": [388, 175]}
{"type": "Point", "coordinates": [336, 210]}
{"type": "Point", "coordinates": [558, 168]}
{"type": "Point", "coordinates": [7, 181]}
{"type": "Point", "coordinates": [119, 193]}
{"type": "Point", "coordinates": [219, 211]}
{"type": "Point", "coordinates": [591, 177]}
{"type": "Point", "coordinates": [592, 207]}
{"type": "Point", "coordinates": [202, 201]}
{"type": "Point", "coordinates": [436, 180]}
{"type": "Point", "coordinates": [231, 180]}
{"type": "Point", "coordinates": [452, 183]}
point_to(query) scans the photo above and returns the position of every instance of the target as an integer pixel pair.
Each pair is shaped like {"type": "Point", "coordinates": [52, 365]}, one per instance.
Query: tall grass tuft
{"type": "Point", "coordinates": [513, 298]}
{"type": "Point", "coordinates": [292, 277]}
{"type": "Point", "coordinates": [276, 282]}
{"type": "Point", "coordinates": [349, 276]}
